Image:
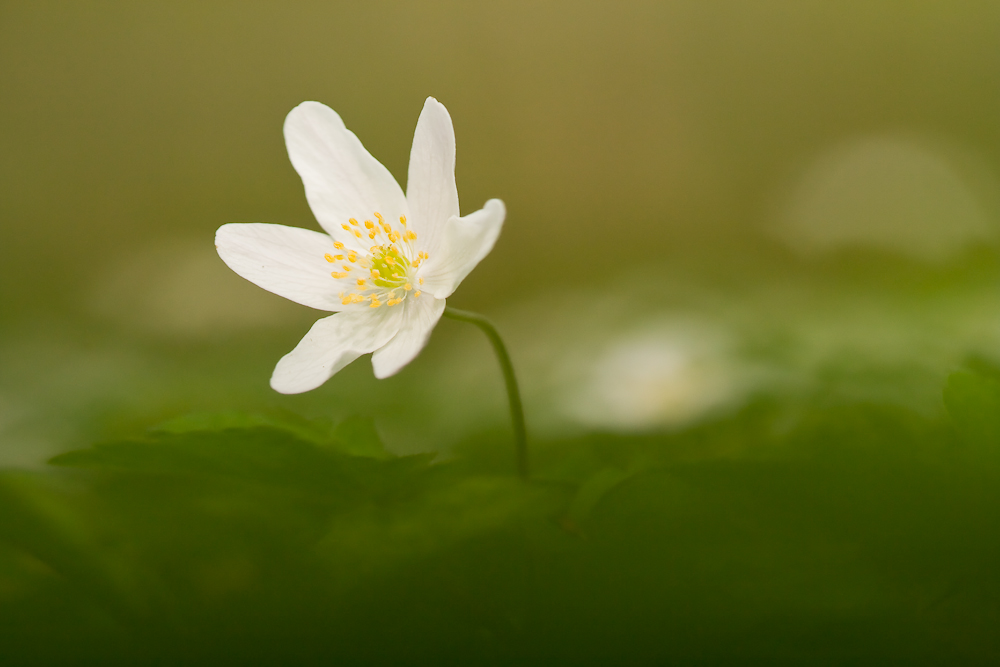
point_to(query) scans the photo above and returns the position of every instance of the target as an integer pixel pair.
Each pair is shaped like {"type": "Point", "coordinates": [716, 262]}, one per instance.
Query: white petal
{"type": "Point", "coordinates": [430, 185]}
{"type": "Point", "coordinates": [419, 318]}
{"type": "Point", "coordinates": [332, 343]}
{"type": "Point", "coordinates": [285, 260]}
{"type": "Point", "coordinates": [465, 242]}
{"type": "Point", "coordinates": [341, 178]}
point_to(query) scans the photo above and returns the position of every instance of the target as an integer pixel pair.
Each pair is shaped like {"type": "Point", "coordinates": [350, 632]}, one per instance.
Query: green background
{"type": "Point", "coordinates": [749, 278]}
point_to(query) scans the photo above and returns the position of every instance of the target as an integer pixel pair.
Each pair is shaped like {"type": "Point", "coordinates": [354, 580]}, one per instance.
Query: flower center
{"type": "Point", "coordinates": [387, 273]}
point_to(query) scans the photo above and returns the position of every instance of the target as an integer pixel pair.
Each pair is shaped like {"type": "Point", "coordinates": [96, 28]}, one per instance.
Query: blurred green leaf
{"type": "Point", "coordinates": [973, 401]}
{"type": "Point", "coordinates": [849, 532]}
{"type": "Point", "coordinates": [311, 430]}
{"type": "Point", "coordinates": [591, 492]}
{"type": "Point", "coordinates": [355, 435]}
{"type": "Point", "coordinates": [358, 436]}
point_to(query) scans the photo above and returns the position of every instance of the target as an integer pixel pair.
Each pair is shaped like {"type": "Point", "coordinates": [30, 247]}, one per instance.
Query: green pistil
{"type": "Point", "coordinates": [388, 261]}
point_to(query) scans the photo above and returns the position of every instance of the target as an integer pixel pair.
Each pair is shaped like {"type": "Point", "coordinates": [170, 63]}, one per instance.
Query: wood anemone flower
{"type": "Point", "coordinates": [387, 261]}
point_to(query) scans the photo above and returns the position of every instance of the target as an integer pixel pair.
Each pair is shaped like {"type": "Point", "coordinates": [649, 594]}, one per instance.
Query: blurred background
{"type": "Point", "coordinates": [707, 202]}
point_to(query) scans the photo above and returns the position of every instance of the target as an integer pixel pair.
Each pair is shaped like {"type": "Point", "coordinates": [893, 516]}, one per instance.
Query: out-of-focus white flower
{"type": "Point", "coordinates": [663, 374]}
{"type": "Point", "coordinates": [387, 261]}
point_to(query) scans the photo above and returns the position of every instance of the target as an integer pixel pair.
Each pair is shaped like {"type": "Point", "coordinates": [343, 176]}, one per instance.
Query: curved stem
{"type": "Point", "coordinates": [513, 395]}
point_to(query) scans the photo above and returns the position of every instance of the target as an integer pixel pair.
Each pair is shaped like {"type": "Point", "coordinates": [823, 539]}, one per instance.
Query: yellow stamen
{"type": "Point", "coordinates": [375, 274]}
{"type": "Point", "coordinates": [352, 256]}
{"type": "Point", "coordinates": [353, 222]}
{"type": "Point", "coordinates": [337, 257]}
{"type": "Point", "coordinates": [420, 280]}
{"type": "Point", "coordinates": [416, 263]}
{"type": "Point", "coordinates": [338, 245]}
{"type": "Point", "coordinates": [402, 220]}
{"type": "Point", "coordinates": [328, 257]}
{"type": "Point", "coordinates": [357, 233]}
{"type": "Point", "coordinates": [379, 216]}
{"type": "Point", "coordinates": [338, 276]}
{"type": "Point", "coordinates": [407, 287]}
{"type": "Point", "coordinates": [361, 282]}
{"type": "Point", "coordinates": [346, 227]}
{"type": "Point", "coordinates": [371, 235]}
{"type": "Point", "coordinates": [369, 224]}
{"type": "Point", "coordinates": [416, 294]}
{"type": "Point", "coordinates": [411, 235]}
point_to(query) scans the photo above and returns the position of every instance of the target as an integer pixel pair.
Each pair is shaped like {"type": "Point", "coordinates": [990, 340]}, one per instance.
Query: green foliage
{"type": "Point", "coordinates": [355, 435]}
{"type": "Point", "coordinates": [850, 534]}
{"type": "Point", "coordinates": [973, 401]}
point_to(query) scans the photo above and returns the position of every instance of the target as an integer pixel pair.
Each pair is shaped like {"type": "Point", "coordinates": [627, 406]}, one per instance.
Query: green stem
{"type": "Point", "coordinates": [513, 395]}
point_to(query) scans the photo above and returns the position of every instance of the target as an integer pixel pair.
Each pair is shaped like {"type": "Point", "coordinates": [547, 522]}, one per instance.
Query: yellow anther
{"type": "Point", "coordinates": [328, 257]}
{"type": "Point", "coordinates": [361, 282]}
{"type": "Point", "coordinates": [338, 276]}
{"type": "Point", "coordinates": [371, 234]}
{"type": "Point", "coordinates": [357, 233]}
{"type": "Point", "coordinates": [375, 304]}
{"type": "Point", "coordinates": [411, 235]}
{"type": "Point", "coordinates": [337, 257]}
{"type": "Point", "coordinates": [353, 222]}
{"type": "Point", "coordinates": [357, 298]}
{"type": "Point", "coordinates": [346, 267]}
{"type": "Point", "coordinates": [402, 220]}
{"type": "Point", "coordinates": [423, 255]}
{"type": "Point", "coordinates": [389, 260]}
{"type": "Point", "coordinates": [392, 237]}
{"type": "Point", "coordinates": [396, 275]}
{"type": "Point", "coordinates": [346, 300]}
{"type": "Point", "coordinates": [416, 294]}
{"type": "Point", "coordinates": [386, 228]}
{"type": "Point", "coordinates": [407, 287]}
{"type": "Point", "coordinates": [346, 226]}
{"type": "Point", "coordinates": [420, 280]}
{"type": "Point", "coordinates": [352, 256]}
{"type": "Point", "coordinates": [338, 245]}
{"type": "Point", "coordinates": [369, 224]}
{"type": "Point", "coordinates": [416, 263]}
{"type": "Point", "coordinates": [378, 215]}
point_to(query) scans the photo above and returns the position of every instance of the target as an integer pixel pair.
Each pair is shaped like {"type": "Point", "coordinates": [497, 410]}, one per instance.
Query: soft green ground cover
{"type": "Point", "coordinates": [835, 534]}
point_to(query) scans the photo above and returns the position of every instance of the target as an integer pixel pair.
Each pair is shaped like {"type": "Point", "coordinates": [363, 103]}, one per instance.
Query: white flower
{"type": "Point", "coordinates": [387, 261]}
